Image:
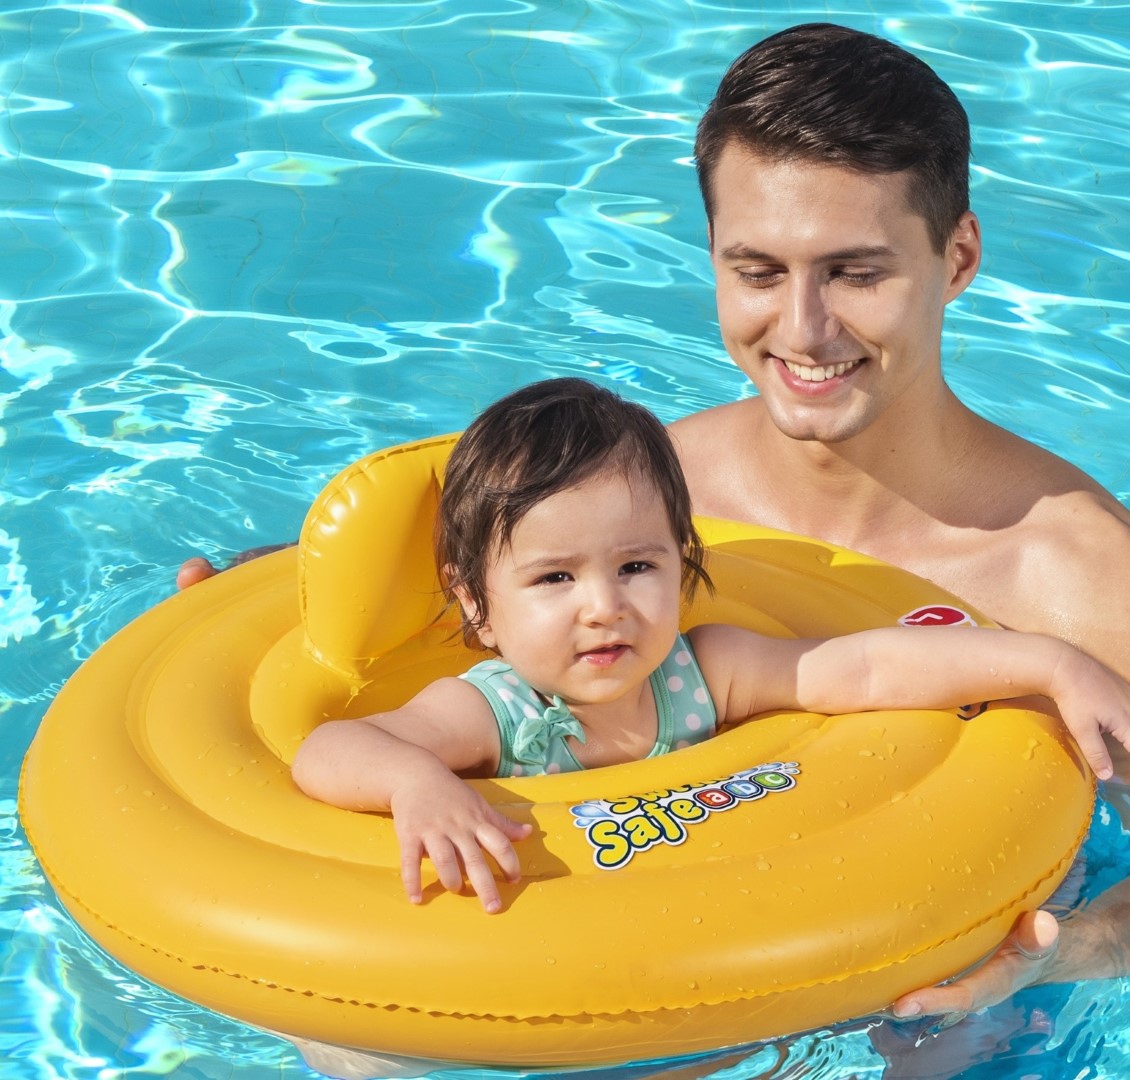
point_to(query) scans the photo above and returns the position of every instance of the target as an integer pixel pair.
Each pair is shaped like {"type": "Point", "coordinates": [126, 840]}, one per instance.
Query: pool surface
{"type": "Point", "coordinates": [247, 241]}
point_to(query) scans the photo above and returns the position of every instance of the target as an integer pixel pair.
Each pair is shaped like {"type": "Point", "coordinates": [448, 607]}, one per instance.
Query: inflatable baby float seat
{"type": "Point", "coordinates": [791, 873]}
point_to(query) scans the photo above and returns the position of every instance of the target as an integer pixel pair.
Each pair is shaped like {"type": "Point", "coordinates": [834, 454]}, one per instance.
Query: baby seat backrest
{"type": "Point", "coordinates": [367, 575]}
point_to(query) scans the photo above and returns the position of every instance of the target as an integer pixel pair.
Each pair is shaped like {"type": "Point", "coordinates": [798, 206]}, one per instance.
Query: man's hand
{"type": "Point", "coordinates": [1023, 959]}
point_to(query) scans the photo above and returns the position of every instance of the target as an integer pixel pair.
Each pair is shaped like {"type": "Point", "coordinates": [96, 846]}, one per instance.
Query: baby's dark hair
{"type": "Point", "coordinates": [533, 443]}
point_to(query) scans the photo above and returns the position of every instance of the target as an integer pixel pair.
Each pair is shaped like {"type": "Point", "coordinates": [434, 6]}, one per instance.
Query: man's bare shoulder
{"type": "Point", "coordinates": [1057, 496]}
{"type": "Point", "coordinates": [698, 432]}
{"type": "Point", "coordinates": [1065, 557]}
{"type": "Point", "coordinates": [717, 447]}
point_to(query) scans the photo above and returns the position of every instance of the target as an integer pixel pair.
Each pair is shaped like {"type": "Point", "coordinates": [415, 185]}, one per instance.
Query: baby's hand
{"type": "Point", "coordinates": [1092, 699]}
{"type": "Point", "coordinates": [445, 819]}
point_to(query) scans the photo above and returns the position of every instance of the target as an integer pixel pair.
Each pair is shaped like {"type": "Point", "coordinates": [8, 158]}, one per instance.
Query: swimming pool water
{"type": "Point", "coordinates": [246, 241]}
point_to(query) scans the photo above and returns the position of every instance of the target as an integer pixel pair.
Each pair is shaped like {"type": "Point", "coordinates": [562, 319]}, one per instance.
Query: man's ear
{"type": "Point", "coordinates": [471, 612]}
{"type": "Point", "coordinates": [963, 254]}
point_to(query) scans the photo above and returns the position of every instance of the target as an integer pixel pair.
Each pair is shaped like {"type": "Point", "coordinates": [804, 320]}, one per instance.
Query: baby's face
{"type": "Point", "coordinates": [584, 602]}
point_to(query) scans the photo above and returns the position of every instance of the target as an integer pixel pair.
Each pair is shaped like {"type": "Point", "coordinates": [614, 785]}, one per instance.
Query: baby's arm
{"type": "Point", "coordinates": [406, 762]}
{"type": "Point", "coordinates": [917, 668]}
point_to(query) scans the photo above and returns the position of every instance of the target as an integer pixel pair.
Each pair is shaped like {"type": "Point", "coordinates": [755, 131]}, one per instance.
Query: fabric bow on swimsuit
{"type": "Point", "coordinates": [533, 735]}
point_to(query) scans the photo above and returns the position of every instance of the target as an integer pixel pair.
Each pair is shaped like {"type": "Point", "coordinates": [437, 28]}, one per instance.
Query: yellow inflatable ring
{"type": "Point", "coordinates": [794, 872]}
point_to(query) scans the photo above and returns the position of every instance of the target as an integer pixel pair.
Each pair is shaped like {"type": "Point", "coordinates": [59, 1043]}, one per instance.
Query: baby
{"type": "Point", "coordinates": [565, 537]}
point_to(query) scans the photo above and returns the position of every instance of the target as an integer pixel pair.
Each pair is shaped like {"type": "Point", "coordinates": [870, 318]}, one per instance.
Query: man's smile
{"type": "Point", "coordinates": [818, 373]}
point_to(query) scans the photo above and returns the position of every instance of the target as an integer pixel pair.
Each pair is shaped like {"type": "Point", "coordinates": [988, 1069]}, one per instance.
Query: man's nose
{"type": "Point", "coordinates": [805, 321]}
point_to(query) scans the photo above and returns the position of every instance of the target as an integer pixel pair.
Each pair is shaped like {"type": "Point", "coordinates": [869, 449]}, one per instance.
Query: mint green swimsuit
{"type": "Point", "coordinates": [532, 731]}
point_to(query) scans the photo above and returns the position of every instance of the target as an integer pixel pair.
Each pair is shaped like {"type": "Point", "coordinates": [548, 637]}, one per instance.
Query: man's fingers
{"type": "Point", "coordinates": [936, 1001]}
{"type": "Point", "coordinates": [1037, 935]}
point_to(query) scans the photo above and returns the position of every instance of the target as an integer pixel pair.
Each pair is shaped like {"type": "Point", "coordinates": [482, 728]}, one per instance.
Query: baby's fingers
{"type": "Point", "coordinates": [1090, 740]}
{"type": "Point", "coordinates": [410, 857]}
{"type": "Point", "coordinates": [1120, 729]}
{"type": "Point", "coordinates": [512, 828]}
{"type": "Point", "coordinates": [447, 863]}
{"type": "Point", "coordinates": [482, 880]}
{"type": "Point", "coordinates": [498, 844]}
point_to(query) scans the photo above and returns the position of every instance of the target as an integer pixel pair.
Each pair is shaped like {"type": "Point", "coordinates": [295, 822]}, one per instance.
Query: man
{"type": "Point", "coordinates": [834, 168]}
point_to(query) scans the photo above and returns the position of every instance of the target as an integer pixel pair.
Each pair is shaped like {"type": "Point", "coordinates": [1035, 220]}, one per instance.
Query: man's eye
{"type": "Point", "coordinates": [859, 278]}
{"type": "Point", "coordinates": [759, 278]}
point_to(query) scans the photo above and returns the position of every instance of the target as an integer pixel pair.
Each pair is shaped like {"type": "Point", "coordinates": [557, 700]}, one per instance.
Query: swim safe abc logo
{"type": "Point", "coordinates": [618, 829]}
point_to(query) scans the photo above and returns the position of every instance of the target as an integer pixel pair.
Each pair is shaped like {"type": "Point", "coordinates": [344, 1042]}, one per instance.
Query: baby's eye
{"type": "Point", "coordinates": [637, 567]}
{"type": "Point", "coordinates": [557, 577]}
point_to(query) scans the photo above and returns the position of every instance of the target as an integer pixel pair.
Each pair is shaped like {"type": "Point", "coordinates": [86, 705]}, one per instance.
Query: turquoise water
{"type": "Point", "coordinates": [246, 242]}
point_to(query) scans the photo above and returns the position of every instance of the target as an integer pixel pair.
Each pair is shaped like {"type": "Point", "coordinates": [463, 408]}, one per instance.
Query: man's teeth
{"type": "Point", "coordinates": [809, 373]}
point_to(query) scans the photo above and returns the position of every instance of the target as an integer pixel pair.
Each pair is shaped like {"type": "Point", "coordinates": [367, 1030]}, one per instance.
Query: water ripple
{"type": "Point", "coordinates": [247, 242]}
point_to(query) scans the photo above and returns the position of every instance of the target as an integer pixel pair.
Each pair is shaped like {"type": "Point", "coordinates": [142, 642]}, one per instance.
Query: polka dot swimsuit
{"type": "Point", "coordinates": [682, 701]}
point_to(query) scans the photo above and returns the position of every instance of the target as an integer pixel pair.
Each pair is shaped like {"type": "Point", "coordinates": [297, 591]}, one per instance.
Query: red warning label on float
{"type": "Point", "coordinates": [937, 615]}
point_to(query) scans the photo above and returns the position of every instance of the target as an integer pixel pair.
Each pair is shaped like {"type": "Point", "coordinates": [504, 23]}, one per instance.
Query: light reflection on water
{"type": "Point", "coordinates": [247, 242]}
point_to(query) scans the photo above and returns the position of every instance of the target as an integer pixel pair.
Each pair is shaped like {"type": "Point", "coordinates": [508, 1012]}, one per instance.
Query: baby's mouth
{"type": "Point", "coordinates": [604, 655]}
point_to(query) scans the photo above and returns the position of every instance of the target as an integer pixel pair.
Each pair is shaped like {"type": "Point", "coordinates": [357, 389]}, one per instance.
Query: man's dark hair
{"type": "Point", "coordinates": [825, 93]}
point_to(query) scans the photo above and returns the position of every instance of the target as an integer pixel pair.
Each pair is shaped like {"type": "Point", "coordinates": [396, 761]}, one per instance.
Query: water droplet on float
{"type": "Point", "coordinates": [762, 864]}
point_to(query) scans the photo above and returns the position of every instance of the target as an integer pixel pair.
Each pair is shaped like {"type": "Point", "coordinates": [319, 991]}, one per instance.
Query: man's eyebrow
{"type": "Point", "coordinates": [861, 254]}
{"type": "Point", "coordinates": [740, 251]}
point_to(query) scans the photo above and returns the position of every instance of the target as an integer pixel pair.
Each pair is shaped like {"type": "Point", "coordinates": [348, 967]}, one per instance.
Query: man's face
{"type": "Point", "coordinates": [830, 296]}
